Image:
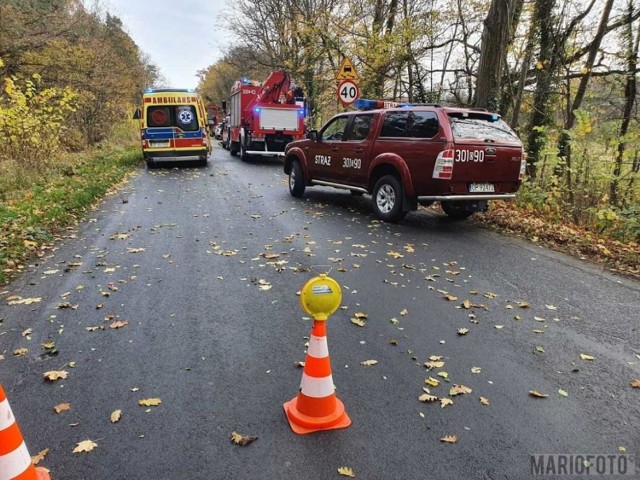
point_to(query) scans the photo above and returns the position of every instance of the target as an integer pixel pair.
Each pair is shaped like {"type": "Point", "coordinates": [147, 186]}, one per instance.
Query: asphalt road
{"type": "Point", "coordinates": [182, 256]}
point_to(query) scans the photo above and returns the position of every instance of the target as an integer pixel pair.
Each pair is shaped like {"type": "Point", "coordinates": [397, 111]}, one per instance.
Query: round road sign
{"type": "Point", "coordinates": [348, 92]}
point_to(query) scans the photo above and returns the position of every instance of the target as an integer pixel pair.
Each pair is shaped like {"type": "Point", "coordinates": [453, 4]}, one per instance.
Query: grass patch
{"type": "Point", "coordinates": [31, 217]}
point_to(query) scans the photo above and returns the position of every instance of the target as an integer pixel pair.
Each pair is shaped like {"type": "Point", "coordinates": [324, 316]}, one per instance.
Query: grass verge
{"type": "Point", "coordinates": [32, 217]}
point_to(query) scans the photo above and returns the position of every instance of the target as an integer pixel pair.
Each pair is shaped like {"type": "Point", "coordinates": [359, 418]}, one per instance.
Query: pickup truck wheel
{"type": "Point", "coordinates": [387, 199]}
{"type": "Point", "coordinates": [296, 180]}
{"type": "Point", "coordinates": [456, 210]}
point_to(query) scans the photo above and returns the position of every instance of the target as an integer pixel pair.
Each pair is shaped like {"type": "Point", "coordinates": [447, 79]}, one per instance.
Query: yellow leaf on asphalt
{"type": "Point", "coordinates": [499, 327]}
{"type": "Point", "coordinates": [404, 312]}
{"type": "Point", "coordinates": [564, 393]}
{"type": "Point", "coordinates": [62, 407]}
{"type": "Point", "coordinates": [119, 324]}
{"type": "Point", "coordinates": [149, 402]}
{"type": "Point", "coordinates": [449, 439]}
{"type": "Point", "coordinates": [85, 446]}
{"type": "Point", "coordinates": [537, 394]}
{"type": "Point", "coordinates": [466, 304]}
{"type": "Point", "coordinates": [444, 375]}
{"type": "Point", "coordinates": [459, 390]}
{"type": "Point", "coordinates": [551, 307]}
{"type": "Point", "coordinates": [27, 332]}
{"type": "Point", "coordinates": [393, 254]}
{"type": "Point", "coordinates": [484, 401]}
{"type": "Point", "coordinates": [432, 365]}
{"type": "Point", "coordinates": [432, 382]}
{"type": "Point", "coordinates": [48, 345]}
{"type": "Point", "coordinates": [462, 331]}
{"type": "Point", "coordinates": [425, 397]}
{"type": "Point", "coordinates": [54, 375]}
{"type": "Point", "coordinates": [368, 363]}
{"type": "Point", "coordinates": [361, 315]}
{"type": "Point", "coordinates": [116, 415]}
{"type": "Point", "coordinates": [16, 300]}
{"type": "Point", "coordinates": [346, 472]}
{"type": "Point", "coordinates": [242, 440]}
{"type": "Point", "coordinates": [584, 356]}
{"type": "Point", "coordinates": [445, 402]}
{"type": "Point", "coordinates": [451, 298]}
{"type": "Point", "coordinates": [635, 383]}
{"type": "Point", "coordinates": [435, 358]}
{"type": "Point", "coordinates": [523, 304]}
{"type": "Point", "coordinates": [36, 459]}
{"type": "Point", "coordinates": [20, 352]}
{"type": "Point", "coordinates": [357, 321]}
{"type": "Point", "coordinates": [476, 369]}
{"type": "Point", "coordinates": [135, 250]}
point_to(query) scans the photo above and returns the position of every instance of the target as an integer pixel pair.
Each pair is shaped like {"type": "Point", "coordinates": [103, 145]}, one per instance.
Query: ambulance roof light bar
{"type": "Point", "coordinates": [168, 90]}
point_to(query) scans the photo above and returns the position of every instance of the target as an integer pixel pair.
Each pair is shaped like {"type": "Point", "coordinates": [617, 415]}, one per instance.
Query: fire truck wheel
{"type": "Point", "coordinates": [233, 148]}
{"type": "Point", "coordinates": [243, 154]}
{"type": "Point", "coordinates": [387, 199]}
{"type": "Point", "coordinates": [296, 180]}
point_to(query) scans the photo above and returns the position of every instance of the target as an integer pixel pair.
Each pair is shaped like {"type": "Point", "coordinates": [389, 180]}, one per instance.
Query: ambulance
{"type": "Point", "coordinates": [173, 127]}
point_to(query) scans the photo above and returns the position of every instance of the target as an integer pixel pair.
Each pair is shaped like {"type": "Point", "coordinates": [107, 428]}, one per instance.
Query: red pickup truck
{"type": "Point", "coordinates": [410, 155]}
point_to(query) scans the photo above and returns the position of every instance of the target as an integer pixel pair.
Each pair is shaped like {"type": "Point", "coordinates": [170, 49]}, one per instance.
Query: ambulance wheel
{"type": "Point", "coordinates": [151, 164]}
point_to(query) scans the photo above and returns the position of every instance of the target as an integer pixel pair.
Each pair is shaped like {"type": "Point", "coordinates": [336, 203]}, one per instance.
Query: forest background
{"type": "Point", "coordinates": [562, 73]}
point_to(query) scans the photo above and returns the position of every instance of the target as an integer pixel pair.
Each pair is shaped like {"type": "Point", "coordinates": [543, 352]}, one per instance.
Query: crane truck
{"type": "Point", "coordinates": [265, 117]}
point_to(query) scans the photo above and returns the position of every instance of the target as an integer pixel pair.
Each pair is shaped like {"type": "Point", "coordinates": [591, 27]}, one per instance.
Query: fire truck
{"type": "Point", "coordinates": [265, 117]}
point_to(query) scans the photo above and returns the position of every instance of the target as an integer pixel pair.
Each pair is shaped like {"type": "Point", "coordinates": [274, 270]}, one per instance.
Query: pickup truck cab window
{"type": "Point", "coordinates": [335, 129]}
{"type": "Point", "coordinates": [410, 124]}
{"type": "Point", "coordinates": [361, 127]}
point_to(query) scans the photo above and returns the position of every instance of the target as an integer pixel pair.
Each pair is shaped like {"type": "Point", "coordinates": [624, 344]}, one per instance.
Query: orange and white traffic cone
{"type": "Point", "coordinates": [316, 407]}
{"type": "Point", "coordinates": [15, 462]}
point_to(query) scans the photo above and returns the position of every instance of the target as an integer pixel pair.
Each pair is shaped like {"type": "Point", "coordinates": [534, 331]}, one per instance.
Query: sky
{"type": "Point", "coordinates": [180, 36]}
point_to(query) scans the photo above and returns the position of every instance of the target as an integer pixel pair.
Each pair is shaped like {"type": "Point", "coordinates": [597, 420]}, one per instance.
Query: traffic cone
{"type": "Point", "coordinates": [316, 407]}
{"type": "Point", "coordinates": [15, 462]}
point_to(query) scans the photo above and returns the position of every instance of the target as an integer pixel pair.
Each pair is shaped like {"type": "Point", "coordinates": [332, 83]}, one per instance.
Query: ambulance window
{"type": "Point", "coordinates": [186, 117]}
{"type": "Point", "coordinates": [159, 117]}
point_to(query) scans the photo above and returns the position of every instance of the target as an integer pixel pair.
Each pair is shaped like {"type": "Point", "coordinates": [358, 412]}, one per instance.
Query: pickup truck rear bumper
{"type": "Point", "coordinates": [462, 198]}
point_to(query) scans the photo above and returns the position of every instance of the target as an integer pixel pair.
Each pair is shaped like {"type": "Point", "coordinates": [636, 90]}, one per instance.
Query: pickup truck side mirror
{"type": "Point", "coordinates": [137, 114]}
{"type": "Point", "coordinates": [313, 135]}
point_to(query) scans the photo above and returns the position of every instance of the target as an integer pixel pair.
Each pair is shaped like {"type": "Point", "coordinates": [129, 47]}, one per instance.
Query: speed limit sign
{"type": "Point", "coordinates": [348, 92]}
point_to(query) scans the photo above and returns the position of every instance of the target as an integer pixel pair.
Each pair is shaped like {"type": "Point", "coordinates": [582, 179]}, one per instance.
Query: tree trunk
{"type": "Point", "coordinates": [630, 92]}
{"type": "Point", "coordinates": [495, 38]}
{"type": "Point", "coordinates": [564, 146]}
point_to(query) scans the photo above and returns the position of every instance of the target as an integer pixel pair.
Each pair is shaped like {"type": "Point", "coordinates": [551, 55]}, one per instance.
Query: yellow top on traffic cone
{"type": "Point", "coordinates": [320, 297]}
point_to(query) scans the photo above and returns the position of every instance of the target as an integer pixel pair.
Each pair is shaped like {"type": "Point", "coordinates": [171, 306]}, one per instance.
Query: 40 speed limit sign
{"type": "Point", "coordinates": [348, 92]}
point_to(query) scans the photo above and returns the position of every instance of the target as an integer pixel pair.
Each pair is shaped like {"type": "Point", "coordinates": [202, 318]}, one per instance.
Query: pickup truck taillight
{"type": "Point", "coordinates": [443, 169]}
{"type": "Point", "coordinates": [523, 166]}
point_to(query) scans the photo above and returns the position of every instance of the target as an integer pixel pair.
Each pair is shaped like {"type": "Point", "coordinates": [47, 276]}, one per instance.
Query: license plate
{"type": "Point", "coordinates": [481, 187]}
{"type": "Point", "coordinates": [162, 144]}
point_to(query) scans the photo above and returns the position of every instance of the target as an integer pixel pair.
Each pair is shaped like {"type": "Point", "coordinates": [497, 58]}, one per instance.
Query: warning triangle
{"type": "Point", "coordinates": [347, 71]}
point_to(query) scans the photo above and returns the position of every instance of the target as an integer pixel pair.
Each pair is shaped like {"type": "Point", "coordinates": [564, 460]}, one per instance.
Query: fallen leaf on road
{"type": "Point", "coordinates": [63, 407]}
{"type": "Point", "coordinates": [466, 304]}
{"type": "Point", "coordinates": [551, 307]}
{"type": "Point", "coordinates": [432, 365]}
{"type": "Point", "coordinates": [449, 439]}
{"type": "Point", "coordinates": [135, 250]}
{"type": "Point", "coordinates": [85, 446]}
{"type": "Point", "coordinates": [425, 397]}
{"type": "Point", "coordinates": [499, 327]}
{"type": "Point", "coordinates": [462, 331]}
{"type": "Point", "coordinates": [459, 390]}
{"type": "Point", "coordinates": [435, 358]}
{"type": "Point", "coordinates": [484, 401]}
{"type": "Point", "coordinates": [119, 324]}
{"type": "Point", "coordinates": [490, 295]}
{"type": "Point", "coordinates": [451, 298]}
{"type": "Point", "coordinates": [20, 352]}
{"type": "Point", "coordinates": [242, 440]}
{"type": "Point", "coordinates": [149, 402]}
{"type": "Point", "coordinates": [563, 393]}
{"type": "Point", "coordinates": [404, 312]}
{"type": "Point", "coordinates": [445, 402]}
{"type": "Point", "coordinates": [393, 254]}
{"type": "Point", "coordinates": [523, 304]}
{"type": "Point", "coordinates": [300, 364]}
{"type": "Point", "coordinates": [36, 459]}
{"type": "Point", "coordinates": [635, 383]}
{"type": "Point", "coordinates": [54, 375]}
{"type": "Point", "coordinates": [539, 349]}
{"type": "Point", "coordinates": [346, 472]}
{"type": "Point", "coordinates": [368, 363]}
{"type": "Point", "coordinates": [538, 331]}
{"type": "Point", "coordinates": [48, 345]}
{"type": "Point", "coordinates": [16, 300]}
{"type": "Point", "coordinates": [584, 356]}
{"type": "Point", "coordinates": [432, 382]}
{"type": "Point", "coordinates": [537, 394]}
{"type": "Point", "coordinates": [116, 416]}
{"type": "Point", "coordinates": [28, 331]}
{"type": "Point", "coordinates": [476, 370]}
{"type": "Point", "coordinates": [357, 321]}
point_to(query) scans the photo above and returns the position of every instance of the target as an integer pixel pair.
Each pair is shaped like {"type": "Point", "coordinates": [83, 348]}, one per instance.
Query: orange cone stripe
{"type": "Point", "coordinates": [318, 347]}
{"type": "Point", "coordinates": [317, 387]}
{"type": "Point", "coordinates": [317, 367]}
{"type": "Point", "coordinates": [6, 415]}
{"type": "Point", "coordinates": [16, 463]}
{"type": "Point", "coordinates": [10, 439]}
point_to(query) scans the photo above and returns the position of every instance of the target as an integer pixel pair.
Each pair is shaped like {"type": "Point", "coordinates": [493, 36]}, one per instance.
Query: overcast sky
{"type": "Point", "coordinates": [180, 36]}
